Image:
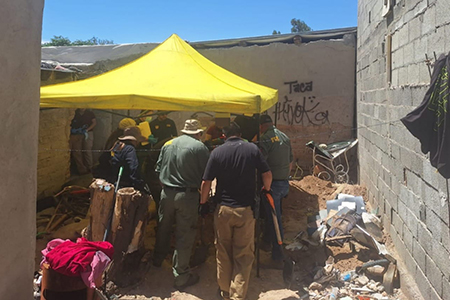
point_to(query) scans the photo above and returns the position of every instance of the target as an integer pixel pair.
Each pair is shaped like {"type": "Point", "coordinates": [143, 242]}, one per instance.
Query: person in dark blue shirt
{"type": "Point", "coordinates": [123, 154]}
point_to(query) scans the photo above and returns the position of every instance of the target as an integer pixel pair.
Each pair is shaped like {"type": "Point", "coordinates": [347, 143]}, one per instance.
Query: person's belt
{"type": "Point", "coordinates": [181, 189]}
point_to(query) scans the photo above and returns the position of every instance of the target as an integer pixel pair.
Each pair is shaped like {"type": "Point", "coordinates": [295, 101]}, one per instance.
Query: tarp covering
{"type": "Point", "coordinates": [172, 77]}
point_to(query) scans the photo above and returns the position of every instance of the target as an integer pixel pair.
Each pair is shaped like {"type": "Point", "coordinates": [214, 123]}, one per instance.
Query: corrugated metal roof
{"type": "Point", "coordinates": [88, 55]}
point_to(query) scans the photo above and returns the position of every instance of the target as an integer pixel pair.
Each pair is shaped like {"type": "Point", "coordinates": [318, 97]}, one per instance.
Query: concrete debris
{"type": "Point", "coordinates": [362, 280]}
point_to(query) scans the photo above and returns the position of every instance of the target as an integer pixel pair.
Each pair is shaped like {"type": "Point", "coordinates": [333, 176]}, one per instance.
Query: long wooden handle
{"type": "Point", "coordinates": [275, 220]}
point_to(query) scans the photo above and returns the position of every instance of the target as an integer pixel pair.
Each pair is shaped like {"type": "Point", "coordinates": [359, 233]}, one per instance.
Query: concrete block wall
{"type": "Point", "coordinates": [53, 155]}
{"type": "Point", "coordinates": [411, 195]}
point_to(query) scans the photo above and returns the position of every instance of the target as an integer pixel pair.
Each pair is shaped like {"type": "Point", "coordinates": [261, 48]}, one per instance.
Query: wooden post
{"type": "Point", "coordinates": [102, 198]}
{"type": "Point", "coordinates": [127, 237]}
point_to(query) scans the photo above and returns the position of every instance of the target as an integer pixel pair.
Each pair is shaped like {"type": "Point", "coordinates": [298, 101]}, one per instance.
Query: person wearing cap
{"type": "Point", "coordinates": [180, 166]}
{"type": "Point", "coordinates": [162, 127]}
{"type": "Point", "coordinates": [124, 123]}
{"type": "Point", "coordinates": [276, 148]}
{"type": "Point", "coordinates": [234, 165]}
{"type": "Point", "coordinates": [123, 154]}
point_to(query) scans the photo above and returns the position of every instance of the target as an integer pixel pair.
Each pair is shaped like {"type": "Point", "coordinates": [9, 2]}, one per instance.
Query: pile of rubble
{"type": "Point", "coordinates": [341, 227]}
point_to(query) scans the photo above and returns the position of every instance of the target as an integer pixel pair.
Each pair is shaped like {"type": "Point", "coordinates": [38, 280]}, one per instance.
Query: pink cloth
{"type": "Point", "coordinates": [73, 259]}
{"type": "Point", "coordinates": [96, 269]}
{"type": "Point", "coordinates": [50, 245]}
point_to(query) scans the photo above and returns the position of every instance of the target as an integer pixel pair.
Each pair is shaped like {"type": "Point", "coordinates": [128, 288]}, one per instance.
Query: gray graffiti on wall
{"type": "Point", "coordinates": [305, 112]}
{"type": "Point", "coordinates": [302, 87]}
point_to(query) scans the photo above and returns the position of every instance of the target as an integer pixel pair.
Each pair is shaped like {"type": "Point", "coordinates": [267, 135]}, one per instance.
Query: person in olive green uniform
{"type": "Point", "coordinates": [276, 149]}
{"type": "Point", "coordinates": [180, 165]}
{"type": "Point", "coordinates": [163, 128]}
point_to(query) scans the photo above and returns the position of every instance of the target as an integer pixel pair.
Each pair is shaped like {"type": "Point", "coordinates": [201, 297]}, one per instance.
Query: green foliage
{"type": "Point", "coordinates": [59, 40]}
{"type": "Point", "coordinates": [299, 26]}
{"type": "Point", "coordinates": [276, 32]}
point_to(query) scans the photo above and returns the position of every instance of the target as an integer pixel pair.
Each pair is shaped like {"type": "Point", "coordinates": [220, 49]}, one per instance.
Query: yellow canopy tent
{"type": "Point", "coordinates": [172, 77]}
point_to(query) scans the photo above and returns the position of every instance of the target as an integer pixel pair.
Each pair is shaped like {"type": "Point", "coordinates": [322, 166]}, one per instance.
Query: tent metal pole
{"type": "Point", "coordinates": [276, 115]}
{"type": "Point", "coordinates": [258, 206]}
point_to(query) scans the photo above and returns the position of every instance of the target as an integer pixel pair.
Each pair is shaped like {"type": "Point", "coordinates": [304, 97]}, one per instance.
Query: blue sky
{"type": "Point", "coordinates": [141, 21]}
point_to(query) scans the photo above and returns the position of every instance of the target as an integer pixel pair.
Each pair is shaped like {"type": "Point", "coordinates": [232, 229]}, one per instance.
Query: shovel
{"type": "Point", "coordinates": [201, 252]}
{"type": "Point", "coordinates": [288, 267]}
{"type": "Point", "coordinates": [116, 188]}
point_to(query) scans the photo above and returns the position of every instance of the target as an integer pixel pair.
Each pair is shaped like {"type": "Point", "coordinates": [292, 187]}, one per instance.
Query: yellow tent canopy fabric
{"type": "Point", "coordinates": [172, 77]}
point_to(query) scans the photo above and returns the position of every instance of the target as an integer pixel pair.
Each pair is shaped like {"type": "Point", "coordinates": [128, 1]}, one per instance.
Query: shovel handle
{"type": "Point", "coordinates": [274, 217]}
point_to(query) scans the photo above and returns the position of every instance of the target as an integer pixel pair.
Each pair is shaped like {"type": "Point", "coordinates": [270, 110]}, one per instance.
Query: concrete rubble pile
{"type": "Point", "coordinates": [346, 221]}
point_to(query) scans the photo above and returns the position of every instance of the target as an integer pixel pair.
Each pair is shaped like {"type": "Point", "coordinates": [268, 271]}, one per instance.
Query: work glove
{"type": "Point", "coordinates": [203, 209]}
{"type": "Point", "coordinates": [264, 192]}
{"type": "Point", "coordinates": [152, 139]}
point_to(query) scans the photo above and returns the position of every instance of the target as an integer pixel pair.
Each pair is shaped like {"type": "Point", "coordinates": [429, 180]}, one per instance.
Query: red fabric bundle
{"type": "Point", "coordinates": [72, 259]}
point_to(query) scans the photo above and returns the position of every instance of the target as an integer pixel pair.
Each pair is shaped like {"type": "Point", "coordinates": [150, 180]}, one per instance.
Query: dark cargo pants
{"type": "Point", "coordinates": [180, 208]}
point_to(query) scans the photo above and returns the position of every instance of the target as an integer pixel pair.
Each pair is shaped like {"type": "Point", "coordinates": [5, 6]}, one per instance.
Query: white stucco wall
{"type": "Point", "coordinates": [21, 23]}
{"type": "Point", "coordinates": [324, 113]}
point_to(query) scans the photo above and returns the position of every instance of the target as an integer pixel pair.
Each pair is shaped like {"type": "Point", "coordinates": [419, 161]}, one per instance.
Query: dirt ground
{"type": "Point", "coordinates": [306, 197]}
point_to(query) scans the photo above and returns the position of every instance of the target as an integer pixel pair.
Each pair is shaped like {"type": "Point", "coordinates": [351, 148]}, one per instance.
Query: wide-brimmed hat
{"type": "Point", "coordinates": [192, 126]}
{"type": "Point", "coordinates": [263, 119]}
{"type": "Point", "coordinates": [132, 134]}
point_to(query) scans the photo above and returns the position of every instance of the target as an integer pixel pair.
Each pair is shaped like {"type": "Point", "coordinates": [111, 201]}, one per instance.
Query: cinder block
{"type": "Point", "coordinates": [413, 73]}
{"type": "Point", "coordinates": [411, 221]}
{"type": "Point", "coordinates": [445, 289]}
{"type": "Point", "coordinates": [434, 275]}
{"type": "Point", "coordinates": [403, 34]}
{"type": "Point", "coordinates": [408, 239]}
{"type": "Point", "coordinates": [395, 77]}
{"type": "Point", "coordinates": [419, 254]}
{"type": "Point", "coordinates": [434, 224]}
{"type": "Point", "coordinates": [387, 211]}
{"type": "Point", "coordinates": [414, 183]}
{"type": "Point", "coordinates": [442, 13]}
{"type": "Point", "coordinates": [440, 257]}
{"type": "Point", "coordinates": [408, 54]}
{"type": "Point", "coordinates": [429, 20]}
{"type": "Point", "coordinates": [415, 29]}
{"type": "Point", "coordinates": [424, 237]}
{"type": "Point", "coordinates": [438, 40]}
{"type": "Point", "coordinates": [423, 284]}
{"type": "Point", "coordinates": [424, 76]}
{"type": "Point", "coordinates": [410, 263]}
{"type": "Point", "coordinates": [397, 223]}
{"type": "Point", "coordinates": [434, 294]}
{"type": "Point", "coordinates": [445, 236]}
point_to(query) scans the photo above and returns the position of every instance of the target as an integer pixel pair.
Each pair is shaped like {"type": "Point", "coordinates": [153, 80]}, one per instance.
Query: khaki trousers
{"type": "Point", "coordinates": [235, 231]}
{"type": "Point", "coordinates": [83, 159]}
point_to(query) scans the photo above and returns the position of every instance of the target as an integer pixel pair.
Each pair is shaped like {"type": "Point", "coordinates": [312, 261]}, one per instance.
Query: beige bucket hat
{"type": "Point", "coordinates": [192, 126]}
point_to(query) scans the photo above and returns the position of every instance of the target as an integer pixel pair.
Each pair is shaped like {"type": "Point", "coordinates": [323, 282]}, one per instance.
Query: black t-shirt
{"type": "Point", "coordinates": [234, 164]}
{"type": "Point", "coordinates": [163, 129]}
{"type": "Point", "coordinates": [430, 121]}
{"type": "Point", "coordinates": [82, 120]}
{"type": "Point", "coordinates": [249, 126]}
